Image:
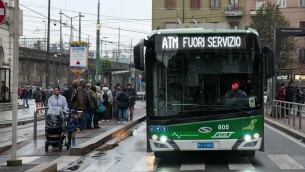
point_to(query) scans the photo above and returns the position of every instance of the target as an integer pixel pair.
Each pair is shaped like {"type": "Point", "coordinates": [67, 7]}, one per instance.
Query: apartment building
{"type": "Point", "coordinates": [230, 14]}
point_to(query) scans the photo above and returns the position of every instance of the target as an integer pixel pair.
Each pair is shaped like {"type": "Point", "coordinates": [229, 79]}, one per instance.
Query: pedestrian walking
{"type": "Point", "coordinates": [289, 96]}
{"type": "Point", "coordinates": [281, 96]}
{"type": "Point", "coordinates": [71, 95]}
{"type": "Point", "coordinates": [300, 96]}
{"type": "Point", "coordinates": [132, 100]}
{"type": "Point", "coordinates": [79, 104]}
{"type": "Point", "coordinates": [38, 99]}
{"type": "Point", "coordinates": [25, 97]}
{"type": "Point", "coordinates": [3, 90]}
{"type": "Point", "coordinates": [122, 104]}
{"type": "Point", "coordinates": [107, 100]}
{"type": "Point", "coordinates": [72, 125]}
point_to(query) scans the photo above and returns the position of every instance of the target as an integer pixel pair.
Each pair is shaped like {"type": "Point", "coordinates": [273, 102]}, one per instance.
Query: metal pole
{"type": "Point", "coordinates": [15, 82]}
{"type": "Point", "coordinates": [35, 126]}
{"type": "Point", "coordinates": [97, 72]}
{"type": "Point", "coordinates": [48, 47]}
{"type": "Point", "coordinates": [60, 39]}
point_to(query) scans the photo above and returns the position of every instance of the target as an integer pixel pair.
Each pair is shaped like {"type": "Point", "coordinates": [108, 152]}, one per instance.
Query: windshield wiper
{"type": "Point", "coordinates": [212, 107]}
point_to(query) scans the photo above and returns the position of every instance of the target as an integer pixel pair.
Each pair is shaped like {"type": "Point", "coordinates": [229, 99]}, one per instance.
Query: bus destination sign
{"type": "Point", "coordinates": [169, 43]}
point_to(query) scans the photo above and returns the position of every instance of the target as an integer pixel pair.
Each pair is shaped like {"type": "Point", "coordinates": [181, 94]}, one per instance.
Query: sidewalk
{"type": "Point", "coordinates": [33, 152]}
{"type": "Point", "coordinates": [24, 115]}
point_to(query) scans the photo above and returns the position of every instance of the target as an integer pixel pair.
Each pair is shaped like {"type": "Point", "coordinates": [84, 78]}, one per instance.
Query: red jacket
{"type": "Point", "coordinates": [281, 93]}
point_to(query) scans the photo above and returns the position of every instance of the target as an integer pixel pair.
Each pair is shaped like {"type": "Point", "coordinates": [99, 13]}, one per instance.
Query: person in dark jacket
{"type": "Point", "coordinates": [289, 96]}
{"type": "Point", "coordinates": [281, 96]}
{"type": "Point", "coordinates": [300, 99]}
{"type": "Point", "coordinates": [132, 99]}
{"type": "Point", "coordinates": [25, 97]}
{"type": "Point", "coordinates": [122, 104]}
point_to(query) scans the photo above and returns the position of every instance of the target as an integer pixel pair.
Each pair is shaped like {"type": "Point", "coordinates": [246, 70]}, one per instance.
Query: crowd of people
{"type": "Point", "coordinates": [289, 93]}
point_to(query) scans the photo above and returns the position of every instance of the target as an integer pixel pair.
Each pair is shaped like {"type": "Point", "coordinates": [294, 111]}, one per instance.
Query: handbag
{"type": "Point", "coordinates": [101, 106]}
{"type": "Point", "coordinates": [80, 112]}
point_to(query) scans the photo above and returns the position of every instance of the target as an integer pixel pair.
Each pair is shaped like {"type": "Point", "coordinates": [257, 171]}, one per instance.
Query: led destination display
{"type": "Point", "coordinates": [170, 43]}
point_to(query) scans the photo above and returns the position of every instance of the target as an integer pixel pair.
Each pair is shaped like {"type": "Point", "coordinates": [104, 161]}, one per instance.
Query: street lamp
{"type": "Point", "coordinates": [71, 33]}
{"type": "Point", "coordinates": [79, 27]}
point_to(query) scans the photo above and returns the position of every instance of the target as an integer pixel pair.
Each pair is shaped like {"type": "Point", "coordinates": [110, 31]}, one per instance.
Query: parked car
{"type": "Point", "coordinates": [141, 95]}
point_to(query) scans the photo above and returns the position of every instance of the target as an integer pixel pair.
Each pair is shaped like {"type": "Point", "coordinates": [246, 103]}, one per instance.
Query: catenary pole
{"type": "Point", "coordinates": [97, 72]}
{"type": "Point", "coordinates": [14, 161]}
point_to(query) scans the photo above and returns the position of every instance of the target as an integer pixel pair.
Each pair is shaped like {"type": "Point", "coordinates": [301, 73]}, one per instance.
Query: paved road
{"type": "Point", "coordinates": [282, 153]}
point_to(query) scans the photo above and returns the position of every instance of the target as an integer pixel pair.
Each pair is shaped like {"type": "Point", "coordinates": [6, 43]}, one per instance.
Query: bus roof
{"type": "Point", "coordinates": [200, 31]}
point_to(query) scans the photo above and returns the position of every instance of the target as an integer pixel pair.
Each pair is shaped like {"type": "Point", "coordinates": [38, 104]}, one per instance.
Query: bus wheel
{"type": "Point", "coordinates": [160, 154]}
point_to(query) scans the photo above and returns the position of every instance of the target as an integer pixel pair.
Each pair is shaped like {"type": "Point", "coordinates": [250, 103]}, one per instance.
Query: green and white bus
{"type": "Point", "coordinates": [188, 73]}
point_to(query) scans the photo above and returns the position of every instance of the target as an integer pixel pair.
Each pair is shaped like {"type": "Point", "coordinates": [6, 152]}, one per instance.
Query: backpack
{"type": "Point", "coordinates": [105, 96]}
{"type": "Point", "coordinates": [39, 95]}
{"type": "Point", "coordinates": [86, 98]}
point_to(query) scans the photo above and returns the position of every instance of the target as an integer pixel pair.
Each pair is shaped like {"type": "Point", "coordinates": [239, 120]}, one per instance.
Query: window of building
{"type": "Point", "coordinates": [170, 4]}
{"type": "Point", "coordinates": [233, 25]}
{"type": "Point", "coordinates": [233, 4]}
{"type": "Point", "coordinates": [302, 24]}
{"type": "Point", "coordinates": [195, 4]}
{"type": "Point", "coordinates": [214, 4]}
{"type": "Point", "coordinates": [302, 3]}
{"type": "Point", "coordinates": [259, 4]}
{"type": "Point", "coordinates": [282, 3]}
{"type": "Point", "coordinates": [302, 55]}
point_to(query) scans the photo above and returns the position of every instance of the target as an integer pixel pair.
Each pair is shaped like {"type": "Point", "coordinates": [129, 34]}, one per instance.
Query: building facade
{"type": "Point", "coordinates": [231, 14]}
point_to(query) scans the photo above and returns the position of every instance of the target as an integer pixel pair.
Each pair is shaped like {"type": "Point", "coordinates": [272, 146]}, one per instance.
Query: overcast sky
{"type": "Point", "coordinates": [132, 16]}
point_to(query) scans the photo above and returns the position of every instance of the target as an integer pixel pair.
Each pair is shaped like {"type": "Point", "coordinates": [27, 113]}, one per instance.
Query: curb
{"type": "Point", "coordinates": [289, 130]}
{"type": "Point", "coordinates": [21, 122]}
{"type": "Point", "coordinates": [99, 140]}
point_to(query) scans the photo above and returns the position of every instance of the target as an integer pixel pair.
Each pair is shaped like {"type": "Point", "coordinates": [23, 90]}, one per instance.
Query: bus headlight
{"type": "Point", "coordinates": [163, 138]}
{"type": "Point", "coordinates": [247, 137]}
{"type": "Point", "coordinates": [256, 135]}
{"type": "Point", "coordinates": [154, 137]}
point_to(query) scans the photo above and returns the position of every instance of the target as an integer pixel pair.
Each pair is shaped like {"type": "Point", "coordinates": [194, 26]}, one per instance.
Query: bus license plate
{"type": "Point", "coordinates": [205, 145]}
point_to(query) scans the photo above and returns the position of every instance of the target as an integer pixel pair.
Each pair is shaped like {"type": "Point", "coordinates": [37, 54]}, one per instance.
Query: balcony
{"type": "Point", "coordinates": [233, 11]}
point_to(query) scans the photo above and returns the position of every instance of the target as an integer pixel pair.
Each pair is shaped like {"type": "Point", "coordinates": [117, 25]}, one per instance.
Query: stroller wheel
{"type": "Point", "coordinates": [46, 146]}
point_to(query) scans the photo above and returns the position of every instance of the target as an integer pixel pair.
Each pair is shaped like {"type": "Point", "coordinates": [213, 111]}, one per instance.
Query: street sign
{"type": "Point", "coordinates": [78, 56]}
{"type": "Point", "coordinates": [2, 12]}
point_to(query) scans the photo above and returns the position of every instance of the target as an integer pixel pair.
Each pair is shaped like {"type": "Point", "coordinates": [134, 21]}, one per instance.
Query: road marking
{"type": "Point", "coordinates": [240, 163]}
{"type": "Point", "coordinates": [102, 165]}
{"type": "Point", "coordinates": [64, 161]}
{"type": "Point", "coordinates": [28, 160]}
{"type": "Point", "coordinates": [191, 167]}
{"type": "Point", "coordinates": [285, 162]}
{"type": "Point", "coordinates": [147, 164]}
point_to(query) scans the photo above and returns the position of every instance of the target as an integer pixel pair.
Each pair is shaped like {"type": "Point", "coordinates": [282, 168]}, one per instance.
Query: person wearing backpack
{"type": "Point", "coordinates": [107, 100]}
{"type": "Point", "coordinates": [79, 104]}
{"type": "Point", "coordinates": [71, 95]}
{"type": "Point", "coordinates": [132, 99]}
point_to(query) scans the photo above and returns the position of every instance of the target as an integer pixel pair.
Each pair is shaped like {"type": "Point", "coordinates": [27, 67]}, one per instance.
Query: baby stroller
{"type": "Point", "coordinates": [55, 128]}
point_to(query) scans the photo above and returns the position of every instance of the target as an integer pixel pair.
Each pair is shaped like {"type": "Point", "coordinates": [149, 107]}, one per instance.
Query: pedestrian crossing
{"type": "Point", "coordinates": [151, 163]}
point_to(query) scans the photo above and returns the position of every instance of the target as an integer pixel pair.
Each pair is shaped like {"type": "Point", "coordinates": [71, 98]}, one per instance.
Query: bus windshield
{"type": "Point", "coordinates": [191, 81]}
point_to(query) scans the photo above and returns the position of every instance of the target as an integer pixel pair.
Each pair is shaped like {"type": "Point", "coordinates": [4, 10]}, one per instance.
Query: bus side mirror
{"type": "Point", "coordinates": [268, 54]}
{"type": "Point", "coordinates": [138, 52]}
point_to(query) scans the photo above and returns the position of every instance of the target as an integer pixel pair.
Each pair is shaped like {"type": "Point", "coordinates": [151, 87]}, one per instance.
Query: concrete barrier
{"type": "Point", "coordinates": [44, 167]}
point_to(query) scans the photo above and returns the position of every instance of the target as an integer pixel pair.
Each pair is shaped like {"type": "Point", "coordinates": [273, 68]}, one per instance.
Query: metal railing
{"type": "Point", "coordinates": [288, 111]}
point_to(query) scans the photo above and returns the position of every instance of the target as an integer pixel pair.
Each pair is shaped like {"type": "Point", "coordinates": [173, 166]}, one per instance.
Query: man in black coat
{"type": "Point", "coordinates": [132, 99]}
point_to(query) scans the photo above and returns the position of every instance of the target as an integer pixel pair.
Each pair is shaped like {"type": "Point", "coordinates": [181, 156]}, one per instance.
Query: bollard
{"type": "Point", "coordinates": [35, 125]}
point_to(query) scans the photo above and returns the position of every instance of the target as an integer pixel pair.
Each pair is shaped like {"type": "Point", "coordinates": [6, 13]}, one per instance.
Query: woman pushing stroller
{"type": "Point", "coordinates": [57, 100]}
{"type": "Point", "coordinates": [55, 128]}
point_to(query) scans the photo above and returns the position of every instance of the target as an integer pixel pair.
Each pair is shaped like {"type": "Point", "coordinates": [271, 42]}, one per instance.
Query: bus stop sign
{"type": "Point", "coordinates": [2, 12]}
